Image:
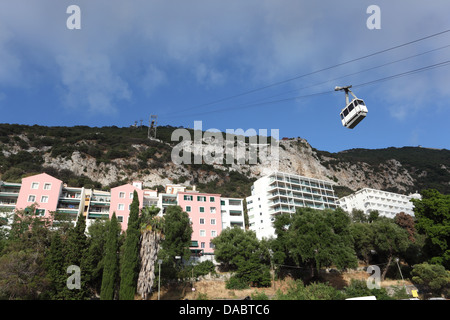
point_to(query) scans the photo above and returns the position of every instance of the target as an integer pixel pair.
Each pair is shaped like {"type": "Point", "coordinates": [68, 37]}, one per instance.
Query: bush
{"type": "Point", "coordinates": [235, 282]}
{"type": "Point", "coordinates": [433, 277]}
{"type": "Point", "coordinates": [204, 268]}
{"type": "Point", "coordinates": [358, 288]}
{"type": "Point", "coordinates": [315, 291]}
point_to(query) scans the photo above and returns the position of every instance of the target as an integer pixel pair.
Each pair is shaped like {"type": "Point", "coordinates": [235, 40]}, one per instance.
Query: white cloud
{"type": "Point", "coordinates": [89, 83]}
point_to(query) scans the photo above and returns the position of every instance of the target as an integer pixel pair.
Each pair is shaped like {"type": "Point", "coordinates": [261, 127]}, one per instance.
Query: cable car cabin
{"type": "Point", "coordinates": [353, 113]}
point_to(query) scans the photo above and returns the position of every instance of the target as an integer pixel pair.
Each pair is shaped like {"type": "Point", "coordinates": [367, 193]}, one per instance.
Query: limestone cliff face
{"type": "Point", "coordinates": [295, 156]}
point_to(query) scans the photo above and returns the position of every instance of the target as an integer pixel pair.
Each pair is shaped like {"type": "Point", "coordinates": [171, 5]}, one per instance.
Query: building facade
{"type": "Point", "coordinates": [205, 215]}
{"type": "Point", "coordinates": [388, 204]}
{"type": "Point", "coordinates": [209, 213]}
{"type": "Point", "coordinates": [232, 212]}
{"type": "Point", "coordinates": [279, 193]}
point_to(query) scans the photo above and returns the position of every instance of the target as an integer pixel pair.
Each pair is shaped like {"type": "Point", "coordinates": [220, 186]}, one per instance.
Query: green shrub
{"type": "Point", "coordinates": [236, 283]}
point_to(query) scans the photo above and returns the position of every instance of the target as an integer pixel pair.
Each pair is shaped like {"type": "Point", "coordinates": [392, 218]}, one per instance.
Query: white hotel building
{"type": "Point", "coordinates": [387, 203]}
{"type": "Point", "coordinates": [281, 192]}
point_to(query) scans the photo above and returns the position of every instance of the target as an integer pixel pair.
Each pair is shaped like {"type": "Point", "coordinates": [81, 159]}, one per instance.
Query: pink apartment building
{"type": "Point", "coordinates": [43, 190]}
{"type": "Point", "coordinates": [121, 198]}
{"type": "Point", "coordinates": [204, 212]}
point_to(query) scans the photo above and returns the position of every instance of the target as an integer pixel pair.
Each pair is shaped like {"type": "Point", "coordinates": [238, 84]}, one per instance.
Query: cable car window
{"type": "Point", "coordinates": [342, 116]}
{"type": "Point", "coordinates": [361, 102]}
{"type": "Point", "coordinates": [345, 112]}
{"type": "Point", "coordinates": [350, 107]}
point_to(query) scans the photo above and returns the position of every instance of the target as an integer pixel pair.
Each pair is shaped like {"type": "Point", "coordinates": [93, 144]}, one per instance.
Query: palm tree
{"type": "Point", "coordinates": [151, 236]}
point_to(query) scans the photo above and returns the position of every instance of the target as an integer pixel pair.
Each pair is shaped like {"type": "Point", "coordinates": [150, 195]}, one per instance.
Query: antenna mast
{"type": "Point", "coordinates": [152, 127]}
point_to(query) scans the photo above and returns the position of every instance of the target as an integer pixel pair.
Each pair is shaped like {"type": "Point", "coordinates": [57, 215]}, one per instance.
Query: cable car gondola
{"type": "Point", "coordinates": [354, 112]}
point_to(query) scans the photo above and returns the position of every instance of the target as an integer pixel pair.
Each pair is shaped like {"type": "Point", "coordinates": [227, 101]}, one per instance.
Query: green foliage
{"type": "Point", "coordinates": [177, 234]}
{"type": "Point", "coordinates": [259, 296]}
{"type": "Point", "coordinates": [111, 261]}
{"type": "Point", "coordinates": [129, 265]}
{"type": "Point", "coordinates": [416, 160]}
{"type": "Point", "coordinates": [433, 219]}
{"type": "Point", "coordinates": [315, 239]}
{"type": "Point", "coordinates": [314, 291]}
{"type": "Point", "coordinates": [54, 263]}
{"type": "Point", "coordinates": [236, 283]}
{"type": "Point", "coordinates": [433, 277]}
{"type": "Point", "coordinates": [359, 288]}
{"type": "Point", "coordinates": [204, 268]}
{"type": "Point", "coordinates": [241, 251]}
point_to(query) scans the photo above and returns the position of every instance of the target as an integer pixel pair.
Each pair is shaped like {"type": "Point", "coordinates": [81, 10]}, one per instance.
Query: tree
{"type": "Point", "coordinates": [241, 251]}
{"type": "Point", "coordinates": [233, 246]}
{"type": "Point", "coordinates": [406, 222]}
{"type": "Point", "coordinates": [92, 262]}
{"type": "Point", "coordinates": [177, 234]}
{"type": "Point", "coordinates": [151, 236]}
{"type": "Point", "coordinates": [389, 240]}
{"type": "Point", "coordinates": [54, 263]}
{"type": "Point", "coordinates": [362, 234]}
{"type": "Point", "coordinates": [358, 216]}
{"type": "Point", "coordinates": [22, 275]}
{"type": "Point", "coordinates": [111, 261]}
{"type": "Point", "coordinates": [434, 277]}
{"type": "Point", "coordinates": [433, 219]}
{"type": "Point", "coordinates": [316, 238]}
{"type": "Point", "coordinates": [75, 249]}
{"type": "Point", "coordinates": [130, 260]}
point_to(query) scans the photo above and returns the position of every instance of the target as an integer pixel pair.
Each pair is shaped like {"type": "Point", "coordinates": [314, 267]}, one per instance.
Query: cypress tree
{"type": "Point", "coordinates": [76, 247]}
{"type": "Point", "coordinates": [129, 269]}
{"type": "Point", "coordinates": [111, 261]}
{"type": "Point", "coordinates": [54, 263]}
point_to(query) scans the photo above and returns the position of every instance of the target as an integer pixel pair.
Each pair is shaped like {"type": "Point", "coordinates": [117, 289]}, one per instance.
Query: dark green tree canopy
{"type": "Point", "coordinates": [433, 219]}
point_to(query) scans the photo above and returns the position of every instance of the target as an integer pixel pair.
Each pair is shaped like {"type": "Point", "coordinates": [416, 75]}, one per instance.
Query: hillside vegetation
{"type": "Point", "coordinates": [103, 157]}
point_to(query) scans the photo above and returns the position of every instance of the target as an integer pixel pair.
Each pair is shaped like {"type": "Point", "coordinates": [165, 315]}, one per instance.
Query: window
{"type": "Point", "coordinates": [188, 208]}
{"type": "Point", "coordinates": [202, 221]}
{"type": "Point", "coordinates": [44, 199]}
{"type": "Point", "coordinates": [121, 206]}
{"type": "Point", "coordinates": [131, 195]}
{"type": "Point", "coordinates": [211, 199]}
{"type": "Point", "coordinates": [212, 209]}
{"type": "Point", "coordinates": [187, 198]}
{"type": "Point", "coordinates": [31, 198]}
{"type": "Point", "coordinates": [202, 245]}
{"type": "Point", "coordinates": [222, 202]}
{"type": "Point", "coordinates": [350, 108]}
{"type": "Point", "coordinates": [47, 186]}
{"type": "Point", "coordinates": [202, 233]}
{"type": "Point", "coordinates": [120, 218]}
{"type": "Point", "coordinates": [213, 233]}
{"type": "Point", "coordinates": [202, 209]}
{"type": "Point", "coordinates": [40, 212]}
{"type": "Point", "coordinates": [35, 185]}
{"type": "Point", "coordinates": [121, 194]}
{"type": "Point", "coordinates": [213, 221]}
{"type": "Point", "coordinates": [201, 199]}
{"type": "Point", "coordinates": [211, 245]}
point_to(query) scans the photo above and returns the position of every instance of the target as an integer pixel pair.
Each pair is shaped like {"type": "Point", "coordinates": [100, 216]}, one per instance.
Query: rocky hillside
{"type": "Point", "coordinates": [109, 156]}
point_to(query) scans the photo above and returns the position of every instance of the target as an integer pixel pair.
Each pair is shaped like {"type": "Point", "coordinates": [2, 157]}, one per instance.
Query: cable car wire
{"type": "Point", "coordinates": [318, 71]}
{"type": "Point", "coordinates": [395, 76]}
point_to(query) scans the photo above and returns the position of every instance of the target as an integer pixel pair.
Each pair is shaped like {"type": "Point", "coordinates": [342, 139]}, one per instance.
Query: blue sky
{"type": "Point", "coordinates": [219, 61]}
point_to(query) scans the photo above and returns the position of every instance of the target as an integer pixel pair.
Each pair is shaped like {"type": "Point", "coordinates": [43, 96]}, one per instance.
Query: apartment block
{"type": "Point", "coordinates": [209, 213]}
{"type": "Point", "coordinates": [205, 214]}
{"type": "Point", "coordinates": [387, 203]}
{"type": "Point", "coordinates": [232, 212]}
{"type": "Point", "coordinates": [279, 193]}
